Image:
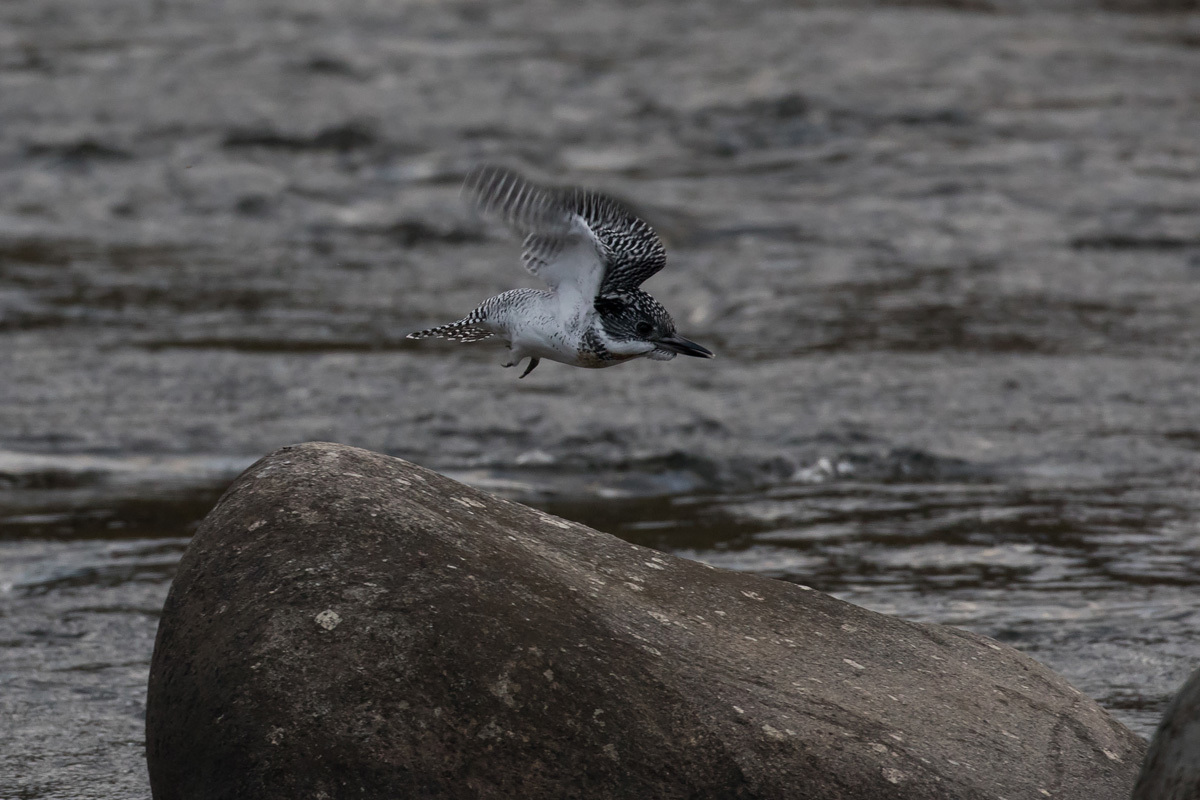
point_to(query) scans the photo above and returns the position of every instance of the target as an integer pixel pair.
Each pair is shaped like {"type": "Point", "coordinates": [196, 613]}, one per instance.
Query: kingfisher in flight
{"type": "Point", "coordinates": [594, 254]}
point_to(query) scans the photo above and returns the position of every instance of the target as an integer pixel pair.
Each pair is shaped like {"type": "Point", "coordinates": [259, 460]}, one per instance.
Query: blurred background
{"type": "Point", "coordinates": [948, 255]}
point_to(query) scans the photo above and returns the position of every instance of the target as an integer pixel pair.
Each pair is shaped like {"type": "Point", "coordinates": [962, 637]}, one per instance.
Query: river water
{"type": "Point", "coordinates": [949, 261]}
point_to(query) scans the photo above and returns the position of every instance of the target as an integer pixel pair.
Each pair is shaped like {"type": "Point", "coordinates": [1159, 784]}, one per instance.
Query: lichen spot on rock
{"type": "Point", "coordinates": [328, 619]}
{"type": "Point", "coordinates": [553, 520]}
{"type": "Point", "coordinates": [467, 502]}
{"type": "Point", "coordinates": [774, 733]}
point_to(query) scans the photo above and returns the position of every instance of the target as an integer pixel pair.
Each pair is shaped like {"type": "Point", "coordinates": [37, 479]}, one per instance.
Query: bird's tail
{"type": "Point", "coordinates": [465, 330]}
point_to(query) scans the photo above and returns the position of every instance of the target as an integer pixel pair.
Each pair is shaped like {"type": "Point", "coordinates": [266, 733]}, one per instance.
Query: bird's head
{"type": "Point", "coordinates": [637, 325]}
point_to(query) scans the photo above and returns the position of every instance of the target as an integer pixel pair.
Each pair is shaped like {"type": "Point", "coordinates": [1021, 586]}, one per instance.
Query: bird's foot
{"type": "Point", "coordinates": [533, 362]}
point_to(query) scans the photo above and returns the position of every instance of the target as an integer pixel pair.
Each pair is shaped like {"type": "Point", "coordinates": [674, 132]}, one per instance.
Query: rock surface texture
{"type": "Point", "coordinates": [1172, 768]}
{"type": "Point", "coordinates": [346, 624]}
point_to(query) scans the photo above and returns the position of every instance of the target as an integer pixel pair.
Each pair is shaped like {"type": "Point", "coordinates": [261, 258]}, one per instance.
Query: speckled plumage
{"type": "Point", "coordinates": [593, 253]}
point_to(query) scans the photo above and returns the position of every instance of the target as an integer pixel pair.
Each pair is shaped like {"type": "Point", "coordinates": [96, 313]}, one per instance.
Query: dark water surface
{"type": "Point", "coordinates": [949, 260]}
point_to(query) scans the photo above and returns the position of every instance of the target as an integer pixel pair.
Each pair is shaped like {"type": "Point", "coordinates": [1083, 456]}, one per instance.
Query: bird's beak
{"type": "Point", "coordinates": [678, 344]}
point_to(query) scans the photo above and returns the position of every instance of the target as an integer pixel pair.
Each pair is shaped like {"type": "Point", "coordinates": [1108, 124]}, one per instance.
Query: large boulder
{"type": "Point", "coordinates": [1172, 767]}
{"type": "Point", "coordinates": [346, 624]}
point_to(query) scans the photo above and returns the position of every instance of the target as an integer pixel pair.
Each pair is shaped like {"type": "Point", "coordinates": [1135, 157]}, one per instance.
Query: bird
{"type": "Point", "coordinates": [594, 254]}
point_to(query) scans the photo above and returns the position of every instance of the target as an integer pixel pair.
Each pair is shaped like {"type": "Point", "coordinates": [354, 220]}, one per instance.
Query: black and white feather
{"type": "Point", "coordinates": [556, 221]}
{"type": "Point", "coordinates": [594, 254]}
{"type": "Point", "coordinates": [464, 330]}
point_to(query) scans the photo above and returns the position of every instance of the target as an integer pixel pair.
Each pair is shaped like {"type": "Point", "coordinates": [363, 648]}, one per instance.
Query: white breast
{"type": "Point", "coordinates": [551, 327]}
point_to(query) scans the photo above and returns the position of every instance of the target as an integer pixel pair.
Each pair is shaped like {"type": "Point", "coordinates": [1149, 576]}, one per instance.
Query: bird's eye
{"type": "Point", "coordinates": [644, 328]}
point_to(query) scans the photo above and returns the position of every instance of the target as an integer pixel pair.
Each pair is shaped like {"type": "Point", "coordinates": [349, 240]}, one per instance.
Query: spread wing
{"type": "Point", "coordinates": [574, 239]}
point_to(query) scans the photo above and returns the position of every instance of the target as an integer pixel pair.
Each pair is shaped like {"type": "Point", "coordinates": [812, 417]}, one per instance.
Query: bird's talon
{"type": "Point", "coordinates": [533, 362]}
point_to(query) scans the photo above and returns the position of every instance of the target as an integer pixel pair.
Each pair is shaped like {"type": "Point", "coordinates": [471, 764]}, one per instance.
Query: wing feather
{"type": "Point", "coordinates": [573, 238]}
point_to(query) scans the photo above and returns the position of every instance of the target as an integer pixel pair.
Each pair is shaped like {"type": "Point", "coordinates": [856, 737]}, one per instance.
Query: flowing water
{"type": "Point", "coordinates": [948, 259]}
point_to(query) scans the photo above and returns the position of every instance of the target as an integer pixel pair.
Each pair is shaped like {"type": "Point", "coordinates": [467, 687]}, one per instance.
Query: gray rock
{"type": "Point", "coordinates": [345, 624]}
{"type": "Point", "coordinates": [1172, 767]}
